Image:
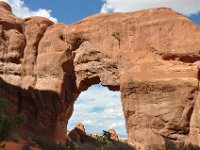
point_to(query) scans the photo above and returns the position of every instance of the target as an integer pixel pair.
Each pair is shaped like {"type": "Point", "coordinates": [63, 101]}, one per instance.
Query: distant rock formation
{"type": "Point", "coordinates": [113, 135]}
{"type": "Point", "coordinates": [78, 133]}
{"type": "Point", "coordinates": [151, 56]}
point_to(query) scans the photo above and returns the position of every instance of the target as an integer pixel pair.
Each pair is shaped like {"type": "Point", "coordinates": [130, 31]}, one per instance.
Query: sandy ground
{"type": "Point", "coordinates": [9, 145]}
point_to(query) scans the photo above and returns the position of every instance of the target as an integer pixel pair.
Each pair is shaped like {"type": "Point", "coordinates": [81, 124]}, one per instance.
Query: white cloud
{"type": "Point", "coordinates": [186, 7]}
{"type": "Point", "coordinates": [22, 11]}
{"type": "Point", "coordinates": [115, 125]}
{"type": "Point", "coordinates": [87, 122]}
{"type": "Point", "coordinates": [99, 109]}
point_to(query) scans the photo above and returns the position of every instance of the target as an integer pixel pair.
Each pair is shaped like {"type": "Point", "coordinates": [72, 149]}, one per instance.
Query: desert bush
{"type": "Point", "coordinates": [113, 146]}
{"type": "Point", "coordinates": [15, 137]}
{"type": "Point", "coordinates": [170, 145]}
{"type": "Point", "coordinates": [89, 146]}
{"type": "Point", "coordinates": [119, 146]}
{"type": "Point", "coordinates": [26, 147]}
{"type": "Point", "coordinates": [48, 144]}
{"type": "Point", "coordinates": [8, 124]}
{"type": "Point", "coordinates": [108, 144]}
{"type": "Point", "coordinates": [105, 138]}
{"type": "Point", "coordinates": [103, 142]}
{"type": "Point", "coordinates": [191, 147]}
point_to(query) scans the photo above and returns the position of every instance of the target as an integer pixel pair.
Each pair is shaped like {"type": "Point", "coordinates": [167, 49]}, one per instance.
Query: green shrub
{"type": "Point", "coordinates": [105, 138]}
{"type": "Point", "coordinates": [108, 144]}
{"type": "Point", "coordinates": [102, 139]}
{"type": "Point", "coordinates": [9, 124]}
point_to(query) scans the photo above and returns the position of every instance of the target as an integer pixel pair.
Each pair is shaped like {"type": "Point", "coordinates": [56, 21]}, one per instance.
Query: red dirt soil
{"type": "Point", "coordinates": [10, 145]}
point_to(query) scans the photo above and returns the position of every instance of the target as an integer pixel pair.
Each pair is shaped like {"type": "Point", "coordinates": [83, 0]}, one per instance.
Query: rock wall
{"type": "Point", "coordinates": [151, 56]}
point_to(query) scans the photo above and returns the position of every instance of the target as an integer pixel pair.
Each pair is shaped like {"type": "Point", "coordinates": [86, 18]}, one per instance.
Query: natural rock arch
{"type": "Point", "coordinates": [151, 56]}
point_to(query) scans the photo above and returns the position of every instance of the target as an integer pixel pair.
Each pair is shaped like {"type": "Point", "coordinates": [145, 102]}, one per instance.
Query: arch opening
{"type": "Point", "coordinates": [99, 108]}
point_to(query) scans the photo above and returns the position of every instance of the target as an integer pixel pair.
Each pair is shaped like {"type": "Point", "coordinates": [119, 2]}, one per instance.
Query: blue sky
{"type": "Point", "coordinates": [195, 18]}
{"type": "Point", "coordinates": [98, 108]}
{"type": "Point", "coordinates": [69, 11]}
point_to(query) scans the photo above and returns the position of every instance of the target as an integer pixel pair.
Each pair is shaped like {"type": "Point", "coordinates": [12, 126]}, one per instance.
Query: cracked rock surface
{"type": "Point", "coordinates": [152, 56]}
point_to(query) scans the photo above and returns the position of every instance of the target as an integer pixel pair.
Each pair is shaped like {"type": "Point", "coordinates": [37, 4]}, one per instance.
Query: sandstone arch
{"type": "Point", "coordinates": [151, 56]}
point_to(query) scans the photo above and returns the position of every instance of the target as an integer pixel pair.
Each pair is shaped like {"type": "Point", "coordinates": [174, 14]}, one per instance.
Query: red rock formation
{"type": "Point", "coordinates": [78, 133]}
{"type": "Point", "coordinates": [113, 135]}
{"type": "Point", "coordinates": [151, 56]}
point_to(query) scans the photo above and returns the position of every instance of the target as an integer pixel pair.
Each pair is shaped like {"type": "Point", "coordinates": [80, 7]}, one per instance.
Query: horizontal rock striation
{"type": "Point", "coordinates": [151, 56]}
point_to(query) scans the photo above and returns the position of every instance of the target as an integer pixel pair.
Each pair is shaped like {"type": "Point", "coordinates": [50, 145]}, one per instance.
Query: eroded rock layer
{"type": "Point", "coordinates": [151, 56]}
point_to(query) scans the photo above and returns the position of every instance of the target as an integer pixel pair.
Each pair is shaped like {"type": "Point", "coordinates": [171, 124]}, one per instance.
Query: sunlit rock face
{"type": "Point", "coordinates": [151, 56]}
